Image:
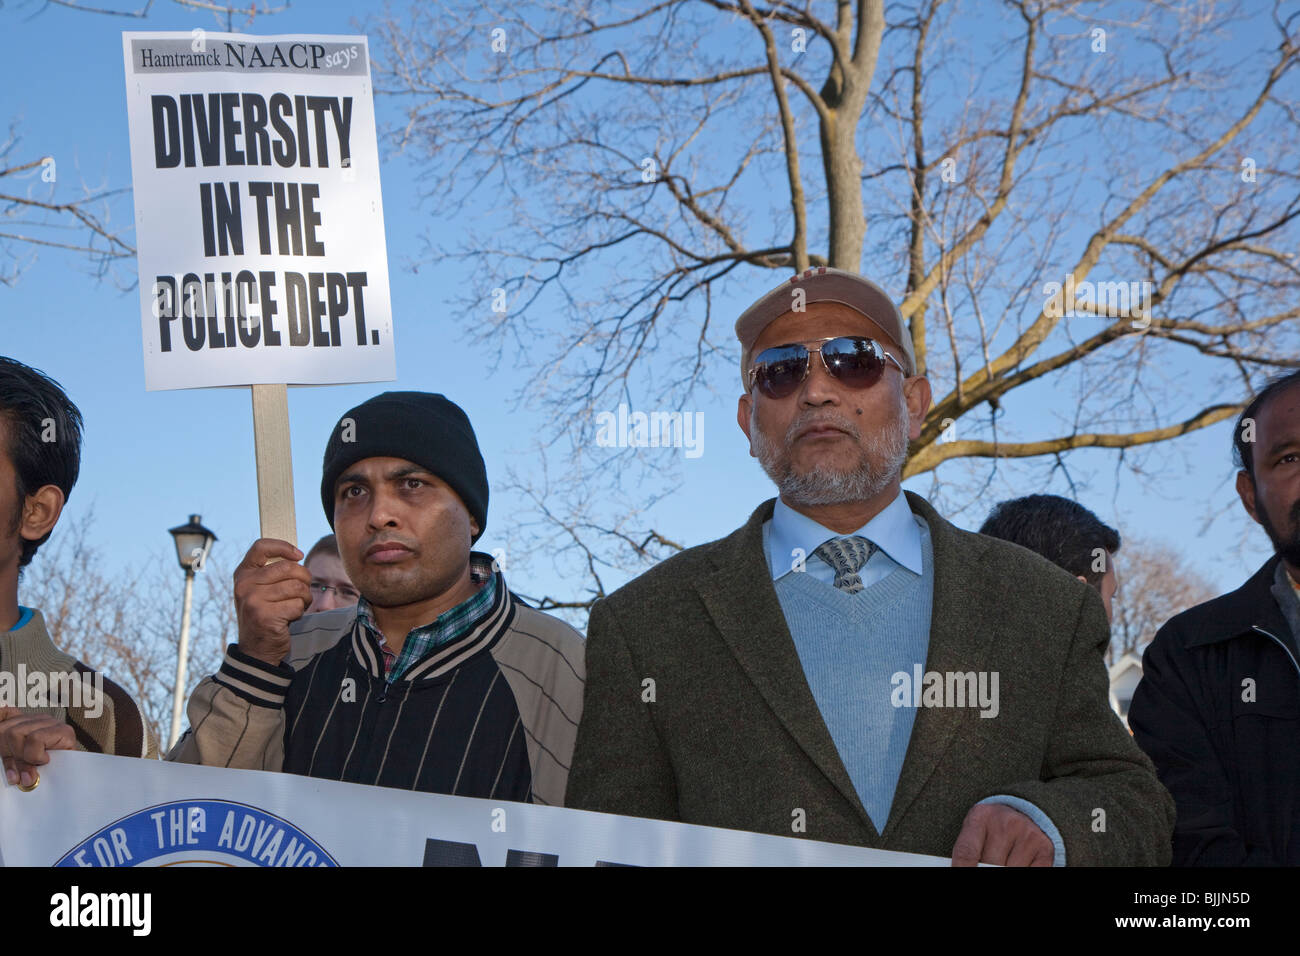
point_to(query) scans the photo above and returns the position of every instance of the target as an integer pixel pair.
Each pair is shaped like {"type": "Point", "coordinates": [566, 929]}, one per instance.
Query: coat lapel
{"type": "Point", "coordinates": [742, 602]}
{"type": "Point", "coordinates": [958, 642]}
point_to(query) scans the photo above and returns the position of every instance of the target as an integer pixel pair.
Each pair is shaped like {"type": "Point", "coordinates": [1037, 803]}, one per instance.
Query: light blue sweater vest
{"type": "Point", "coordinates": [850, 645]}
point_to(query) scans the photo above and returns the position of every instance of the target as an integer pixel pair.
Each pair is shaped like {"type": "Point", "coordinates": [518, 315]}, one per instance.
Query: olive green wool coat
{"type": "Point", "coordinates": [733, 737]}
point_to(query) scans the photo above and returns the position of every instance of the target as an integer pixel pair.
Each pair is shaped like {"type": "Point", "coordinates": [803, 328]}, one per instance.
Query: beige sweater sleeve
{"type": "Point", "coordinates": [228, 731]}
{"type": "Point", "coordinates": [103, 716]}
{"type": "Point", "coordinates": [237, 717]}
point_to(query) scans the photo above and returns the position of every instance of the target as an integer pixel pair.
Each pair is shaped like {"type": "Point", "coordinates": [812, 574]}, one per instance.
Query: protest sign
{"type": "Point", "coordinates": [259, 223]}
{"type": "Point", "coordinates": [97, 810]}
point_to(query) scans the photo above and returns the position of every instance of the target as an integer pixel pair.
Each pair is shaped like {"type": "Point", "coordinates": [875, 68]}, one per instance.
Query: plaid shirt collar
{"type": "Point", "coordinates": [445, 629]}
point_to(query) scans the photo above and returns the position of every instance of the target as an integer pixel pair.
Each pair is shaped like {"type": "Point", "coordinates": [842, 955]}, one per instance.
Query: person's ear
{"type": "Point", "coordinates": [1246, 491]}
{"type": "Point", "coordinates": [916, 390]}
{"type": "Point", "coordinates": [473, 527]}
{"type": "Point", "coordinates": [744, 409]}
{"type": "Point", "coordinates": [40, 512]}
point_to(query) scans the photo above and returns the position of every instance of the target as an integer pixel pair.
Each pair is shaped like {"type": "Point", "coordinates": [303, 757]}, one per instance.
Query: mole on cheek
{"type": "Point", "coordinates": [859, 411]}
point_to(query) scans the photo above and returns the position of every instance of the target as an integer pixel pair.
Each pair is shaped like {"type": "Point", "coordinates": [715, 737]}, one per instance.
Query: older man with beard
{"type": "Point", "coordinates": [848, 666]}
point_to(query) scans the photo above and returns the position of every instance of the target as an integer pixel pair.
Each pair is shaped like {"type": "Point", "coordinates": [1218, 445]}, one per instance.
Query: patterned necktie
{"type": "Point", "coordinates": [846, 556]}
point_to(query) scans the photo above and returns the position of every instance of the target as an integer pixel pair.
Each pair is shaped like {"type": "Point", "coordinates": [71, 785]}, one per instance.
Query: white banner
{"type": "Point", "coordinates": [95, 810]}
{"type": "Point", "coordinates": [259, 223]}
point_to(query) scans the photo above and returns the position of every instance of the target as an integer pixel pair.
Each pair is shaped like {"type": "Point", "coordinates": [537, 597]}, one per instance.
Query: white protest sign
{"type": "Point", "coordinates": [96, 810]}
{"type": "Point", "coordinates": [259, 223]}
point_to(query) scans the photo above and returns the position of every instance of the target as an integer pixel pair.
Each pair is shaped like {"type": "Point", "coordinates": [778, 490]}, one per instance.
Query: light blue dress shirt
{"type": "Point", "coordinates": [791, 538]}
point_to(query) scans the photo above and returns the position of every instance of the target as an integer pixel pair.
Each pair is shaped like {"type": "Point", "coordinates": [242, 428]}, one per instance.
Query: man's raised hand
{"type": "Point", "coordinates": [269, 597]}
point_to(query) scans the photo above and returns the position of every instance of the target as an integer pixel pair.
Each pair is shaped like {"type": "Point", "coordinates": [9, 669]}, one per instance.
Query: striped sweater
{"type": "Point", "coordinates": [102, 715]}
{"type": "Point", "coordinates": [493, 713]}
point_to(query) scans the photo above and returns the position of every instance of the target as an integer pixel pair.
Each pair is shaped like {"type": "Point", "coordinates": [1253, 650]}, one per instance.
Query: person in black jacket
{"type": "Point", "coordinates": [1218, 708]}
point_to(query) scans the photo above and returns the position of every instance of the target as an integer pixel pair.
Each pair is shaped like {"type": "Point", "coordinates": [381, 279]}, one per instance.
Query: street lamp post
{"type": "Point", "coordinates": [193, 542]}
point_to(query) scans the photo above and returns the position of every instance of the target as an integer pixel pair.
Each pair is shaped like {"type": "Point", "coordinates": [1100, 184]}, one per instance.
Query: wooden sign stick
{"type": "Point", "coordinates": [274, 463]}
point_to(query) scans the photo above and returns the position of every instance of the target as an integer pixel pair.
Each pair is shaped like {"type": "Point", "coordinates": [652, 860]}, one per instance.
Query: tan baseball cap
{"type": "Point", "coordinates": [825, 284]}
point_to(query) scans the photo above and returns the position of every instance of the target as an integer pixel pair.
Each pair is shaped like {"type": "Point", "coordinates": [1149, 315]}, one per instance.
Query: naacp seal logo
{"type": "Point", "coordinates": [199, 833]}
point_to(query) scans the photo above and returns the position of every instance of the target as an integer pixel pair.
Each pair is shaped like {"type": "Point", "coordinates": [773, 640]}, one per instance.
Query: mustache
{"type": "Point", "coordinates": [815, 418]}
{"type": "Point", "coordinates": [390, 539]}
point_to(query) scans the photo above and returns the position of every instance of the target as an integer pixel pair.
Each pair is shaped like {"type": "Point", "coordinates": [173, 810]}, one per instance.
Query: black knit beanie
{"type": "Point", "coordinates": [427, 429]}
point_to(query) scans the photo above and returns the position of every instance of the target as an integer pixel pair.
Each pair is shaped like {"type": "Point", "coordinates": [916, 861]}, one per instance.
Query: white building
{"type": "Point", "coordinates": [1124, 676]}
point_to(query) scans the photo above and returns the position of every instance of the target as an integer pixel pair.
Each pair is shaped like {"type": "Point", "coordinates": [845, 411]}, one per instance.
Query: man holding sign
{"type": "Point", "coordinates": [439, 679]}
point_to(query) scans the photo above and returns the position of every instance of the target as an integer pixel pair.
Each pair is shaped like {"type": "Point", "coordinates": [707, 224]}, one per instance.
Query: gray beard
{"type": "Point", "coordinates": [881, 463]}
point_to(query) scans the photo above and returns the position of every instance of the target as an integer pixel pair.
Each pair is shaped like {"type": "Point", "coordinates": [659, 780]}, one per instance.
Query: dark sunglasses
{"type": "Point", "coordinates": [853, 360]}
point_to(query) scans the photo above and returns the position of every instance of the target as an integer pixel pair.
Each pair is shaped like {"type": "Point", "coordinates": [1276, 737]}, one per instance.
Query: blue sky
{"type": "Point", "coordinates": [152, 458]}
